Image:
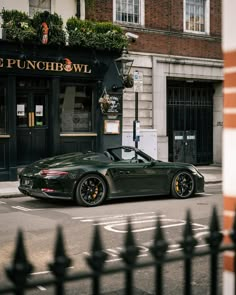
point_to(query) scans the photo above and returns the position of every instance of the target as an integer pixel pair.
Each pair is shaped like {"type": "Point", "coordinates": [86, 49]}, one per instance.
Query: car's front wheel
{"type": "Point", "coordinates": [182, 185]}
{"type": "Point", "coordinates": [91, 190]}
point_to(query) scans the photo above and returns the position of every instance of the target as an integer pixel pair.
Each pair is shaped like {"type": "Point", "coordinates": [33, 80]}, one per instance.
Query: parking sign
{"type": "Point", "coordinates": [138, 81]}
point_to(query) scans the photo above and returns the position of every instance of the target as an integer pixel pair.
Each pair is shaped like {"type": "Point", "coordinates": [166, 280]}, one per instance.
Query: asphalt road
{"type": "Point", "coordinates": [39, 219]}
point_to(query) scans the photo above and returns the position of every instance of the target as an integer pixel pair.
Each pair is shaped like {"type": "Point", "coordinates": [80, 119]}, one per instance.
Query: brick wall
{"type": "Point", "coordinates": [163, 30]}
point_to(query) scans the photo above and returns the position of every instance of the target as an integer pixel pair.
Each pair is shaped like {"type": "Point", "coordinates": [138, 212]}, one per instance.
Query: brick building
{"type": "Point", "coordinates": [178, 52]}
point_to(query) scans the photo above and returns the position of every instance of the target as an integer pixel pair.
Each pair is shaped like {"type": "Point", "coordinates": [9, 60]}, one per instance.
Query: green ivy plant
{"type": "Point", "coordinates": [81, 33]}
{"type": "Point", "coordinates": [97, 35]}
{"type": "Point", "coordinates": [17, 26]}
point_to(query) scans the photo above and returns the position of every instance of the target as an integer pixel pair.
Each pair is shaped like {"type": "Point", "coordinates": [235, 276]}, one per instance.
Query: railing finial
{"type": "Point", "coordinates": [20, 269]}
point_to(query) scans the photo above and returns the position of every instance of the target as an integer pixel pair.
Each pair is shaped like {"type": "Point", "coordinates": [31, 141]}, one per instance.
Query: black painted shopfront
{"type": "Point", "coordinates": [49, 103]}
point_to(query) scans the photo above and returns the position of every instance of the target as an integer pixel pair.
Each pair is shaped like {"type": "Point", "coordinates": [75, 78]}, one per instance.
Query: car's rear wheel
{"type": "Point", "coordinates": [91, 190]}
{"type": "Point", "coordinates": [182, 185]}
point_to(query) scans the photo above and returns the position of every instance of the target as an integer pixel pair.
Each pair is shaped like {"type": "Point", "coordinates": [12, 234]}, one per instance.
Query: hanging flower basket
{"type": "Point", "coordinates": [104, 102]}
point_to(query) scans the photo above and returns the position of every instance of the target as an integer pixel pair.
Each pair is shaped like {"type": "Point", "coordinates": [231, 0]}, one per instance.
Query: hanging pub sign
{"type": "Point", "coordinates": [65, 66]}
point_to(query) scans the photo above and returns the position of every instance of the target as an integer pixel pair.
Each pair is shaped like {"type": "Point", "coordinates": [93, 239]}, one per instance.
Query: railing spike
{"type": "Point", "coordinates": [20, 269]}
{"type": "Point", "coordinates": [214, 240]}
{"type": "Point", "coordinates": [215, 237]}
{"type": "Point", "coordinates": [97, 260]}
{"type": "Point", "coordinates": [98, 256]}
{"type": "Point", "coordinates": [160, 246]}
{"type": "Point", "coordinates": [61, 261]}
{"type": "Point", "coordinates": [131, 251]}
{"type": "Point", "coordinates": [189, 242]}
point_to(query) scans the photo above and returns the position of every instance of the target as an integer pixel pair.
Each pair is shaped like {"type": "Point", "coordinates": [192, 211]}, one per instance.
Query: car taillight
{"type": "Point", "coordinates": [46, 172]}
{"type": "Point", "coordinates": [47, 190]}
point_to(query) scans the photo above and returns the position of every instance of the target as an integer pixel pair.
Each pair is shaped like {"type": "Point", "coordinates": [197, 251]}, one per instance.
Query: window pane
{"type": "Point", "coordinates": [195, 15]}
{"type": "Point", "coordinates": [75, 108]}
{"type": "Point", "coordinates": [128, 11]}
{"type": "Point", "coordinates": [2, 109]}
{"type": "Point", "coordinates": [39, 5]}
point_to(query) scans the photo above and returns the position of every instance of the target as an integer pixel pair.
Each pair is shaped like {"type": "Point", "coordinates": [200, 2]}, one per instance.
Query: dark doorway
{"type": "Point", "coordinates": [190, 112]}
{"type": "Point", "coordinates": [31, 125]}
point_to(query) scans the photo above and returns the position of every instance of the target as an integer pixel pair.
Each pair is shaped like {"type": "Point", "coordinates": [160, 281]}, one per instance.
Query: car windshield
{"type": "Point", "coordinates": [128, 154]}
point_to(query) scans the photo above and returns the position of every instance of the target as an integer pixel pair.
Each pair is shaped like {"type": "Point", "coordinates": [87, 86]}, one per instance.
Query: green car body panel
{"type": "Point", "coordinates": [59, 176]}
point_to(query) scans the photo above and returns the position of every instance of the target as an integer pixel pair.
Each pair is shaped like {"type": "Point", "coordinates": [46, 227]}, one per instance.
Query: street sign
{"type": "Point", "coordinates": [138, 81]}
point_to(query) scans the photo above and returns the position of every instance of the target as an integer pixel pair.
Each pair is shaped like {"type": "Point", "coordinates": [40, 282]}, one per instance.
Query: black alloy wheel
{"type": "Point", "coordinates": [91, 191]}
{"type": "Point", "coordinates": [182, 185]}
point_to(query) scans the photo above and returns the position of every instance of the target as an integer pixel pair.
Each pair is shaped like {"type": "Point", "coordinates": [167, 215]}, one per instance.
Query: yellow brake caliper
{"type": "Point", "coordinates": [95, 192]}
{"type": "Point", "coordinates": [177, 184]}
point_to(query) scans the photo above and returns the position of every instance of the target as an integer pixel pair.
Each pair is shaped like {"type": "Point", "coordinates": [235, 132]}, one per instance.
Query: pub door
{"type": "Point", "coordinates": [31, 126]}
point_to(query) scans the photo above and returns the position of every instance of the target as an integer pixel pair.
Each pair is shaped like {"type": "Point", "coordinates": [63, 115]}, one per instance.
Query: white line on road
{"type": "Point", "coordinates": [24, 208]}
{"type": "Point", "coordinates": [151, 218]}
{"type": "Point", "coordinates": [21, 208]}
{"type": "Point", "coordinates": [1, 202]}
{"type": "Point", "coordinates": [41, 288]}
{"type": "Point", "coordinates": [93, 218]}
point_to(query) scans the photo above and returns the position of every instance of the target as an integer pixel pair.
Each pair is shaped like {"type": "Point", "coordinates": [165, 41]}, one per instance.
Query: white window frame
{"type": "Point", "coordinates": [141, 14]}
{"type": "Point", "coordinates": [52, 6]}
{"type": "Point", "coordinates": [207, 19]}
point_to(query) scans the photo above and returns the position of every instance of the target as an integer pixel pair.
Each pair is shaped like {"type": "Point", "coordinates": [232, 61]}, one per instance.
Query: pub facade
{"type": "Point", "coordinates": [49, 103]}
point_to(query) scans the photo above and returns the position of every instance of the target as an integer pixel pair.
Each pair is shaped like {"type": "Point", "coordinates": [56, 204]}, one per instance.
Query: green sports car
{"type": "Point", "coordinates": [91, 178]}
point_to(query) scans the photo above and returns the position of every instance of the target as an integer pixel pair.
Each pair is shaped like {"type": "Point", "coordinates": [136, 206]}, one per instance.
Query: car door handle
{"type": "Point", "coordinates": [124, 172]}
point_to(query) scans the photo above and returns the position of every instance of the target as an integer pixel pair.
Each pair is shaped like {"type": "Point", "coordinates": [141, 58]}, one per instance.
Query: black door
{"type": "Point", "coordinates": [32, 126]}
{"type": "Point", "coordinates": [184, 146]}
{"type": "Point", "coordinates": [190, 109]}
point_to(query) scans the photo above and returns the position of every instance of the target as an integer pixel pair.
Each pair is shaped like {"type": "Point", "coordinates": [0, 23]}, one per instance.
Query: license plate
{"type": "Point", "coordinates": [26, 182]}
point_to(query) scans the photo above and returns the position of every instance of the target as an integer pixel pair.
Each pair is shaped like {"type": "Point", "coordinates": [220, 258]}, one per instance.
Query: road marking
{"type": "Point", "coordinates": [172, 223]}
{"type": "Point", "coordinates": [21, 208]}
{"type": "Point", "coordinates": [153, 218]}
{"type": "Point", "coordinates": [1, 202]}
{"type": "Point", "coordinates": [24, 208]}
{"type": "Point", "coordinates": [95, 218]}
{"type": "Point", "coordinates": [41, 288]}
{"type": "Point", "coordinates": [45, 272]}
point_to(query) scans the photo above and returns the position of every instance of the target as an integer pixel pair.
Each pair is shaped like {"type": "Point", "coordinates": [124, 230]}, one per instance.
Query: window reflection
{"type": "Point", "coordinates": [75, 108]}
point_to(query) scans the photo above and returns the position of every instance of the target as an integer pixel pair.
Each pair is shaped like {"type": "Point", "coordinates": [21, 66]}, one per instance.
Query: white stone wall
{"type": "Point", "coordinates": [156, 69]}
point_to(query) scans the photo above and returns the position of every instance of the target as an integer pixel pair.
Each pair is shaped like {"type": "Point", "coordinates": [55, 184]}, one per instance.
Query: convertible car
{"type": "Point", "coordinates": [91, 178]}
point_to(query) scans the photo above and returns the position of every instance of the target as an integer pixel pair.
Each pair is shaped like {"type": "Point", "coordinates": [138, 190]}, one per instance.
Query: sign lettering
{"type": "Point", "coordinates": [48, 66]}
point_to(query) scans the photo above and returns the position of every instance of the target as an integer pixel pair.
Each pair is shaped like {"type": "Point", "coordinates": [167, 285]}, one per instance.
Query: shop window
{"type": "Point", "coordinates": [196, 16]}
{"type": "Point", "coordinates": [39, 6]}
{"type": "Point", "coordinates": [75, 108]}
{"type": "Point", "coordinates": [129, 11]}
{"type": "Point", "coordinates": [2, 109]}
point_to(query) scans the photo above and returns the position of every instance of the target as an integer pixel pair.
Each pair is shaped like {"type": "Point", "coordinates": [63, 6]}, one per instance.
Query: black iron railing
{"type": "Point", "coordinates": [20, 269]}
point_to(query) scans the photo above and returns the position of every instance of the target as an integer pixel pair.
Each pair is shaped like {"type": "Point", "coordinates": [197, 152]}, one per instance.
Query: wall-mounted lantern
{"type": "Point", "coordinates": [123, 66]}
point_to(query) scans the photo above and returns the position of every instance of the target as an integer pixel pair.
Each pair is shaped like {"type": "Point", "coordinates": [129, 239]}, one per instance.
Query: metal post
{"type": "Point", "coordinates": [136, 116]}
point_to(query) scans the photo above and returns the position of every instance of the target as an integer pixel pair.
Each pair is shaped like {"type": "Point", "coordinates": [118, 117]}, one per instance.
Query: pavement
{"type": "Point", "coordinates": [212, 174]}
